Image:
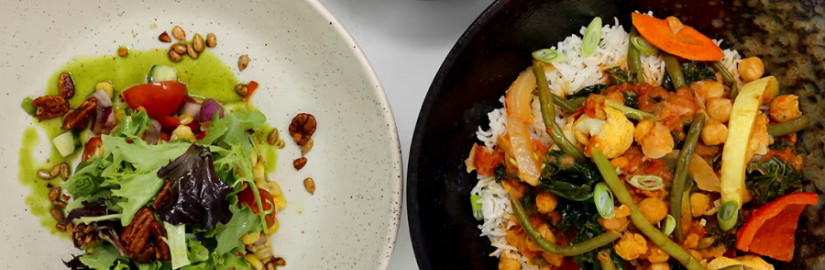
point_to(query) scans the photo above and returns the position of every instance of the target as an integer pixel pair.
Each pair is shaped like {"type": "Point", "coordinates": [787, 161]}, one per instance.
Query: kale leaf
{"type": "Point", "coordinates": [696, 71]}
{"type": "Point", "coordinates": [197, 194]}
{"type": "Point", "coordinates": [631, 99]}
{"type": "Point", "coordinates": [566, 178]}
{"type": "Point", "coordinates": [771, 179]}
{"type": "Point", "coordinates": [584, 217]}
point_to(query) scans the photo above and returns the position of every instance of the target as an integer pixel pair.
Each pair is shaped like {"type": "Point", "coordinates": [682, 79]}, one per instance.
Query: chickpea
{"type": "Point", "coordinates": [658, 142]}
{"type": "Point", "coordinates": [641, 130]}
{"type": "Point", "coordinates": [751, 68]}
{"type": "Point", "coordinates": [508, 262]}
{"type": "Point", "coordinates": [546, 202]}
{"type": "Point", "coordinates": [659, 266]}
{"type": "Point", "coordinates": [614, 224]}
{"type": "Point", "coordinates": [699, 203]}
{"type": "Point", "coordinates": [710, 88]}
{"type": "Point", "coordinates": [656, 254]}
{"type": "Point", "coordinates": [653, 209]}
{"type": "Point", "coordinates": [631, 246]}
{"type": "Point", "coordinates": [714, 133]}
{"type": "Point", "coordinates": [719, 109]}
{"type": "Point", "coordinates": [785, 108]}
{"type": "Point", "coordinates": [691, 240]}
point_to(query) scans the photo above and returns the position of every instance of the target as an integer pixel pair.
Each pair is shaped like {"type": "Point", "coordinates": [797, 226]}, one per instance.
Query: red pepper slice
{"type": "Point", "coordinates": [251, 87]}
{"type": "Point", "coordinates": [248, 198]}
{"type": "Point", "coordinates": [159, 98]}
{"type": "Point", "coordinates": [167, 122]}
{"type": "Point", "coordinates": [770, 230]}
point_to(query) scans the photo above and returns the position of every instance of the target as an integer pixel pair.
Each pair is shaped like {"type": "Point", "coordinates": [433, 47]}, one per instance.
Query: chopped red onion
{"type": "Point", "coordinates": [208, 109]}
{"type": "Point", "coordinates": [191, 108]}
{"type": "Point", "coordinates": [103, 99]}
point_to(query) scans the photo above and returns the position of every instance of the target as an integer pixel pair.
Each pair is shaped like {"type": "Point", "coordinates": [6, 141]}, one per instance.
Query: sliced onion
{"type": "Point", "coordinates": [191, 108]}
{"type": "Point", "coordinates": [152, 133]}
{"type": "Point", "coordinates": [208, 109]}
{"type": "Point", "coordinates": [100, 124]}
{"type": "Point", "coordinates": [103, 99]}
{"type": "Point", "coordinates": [647, 182]}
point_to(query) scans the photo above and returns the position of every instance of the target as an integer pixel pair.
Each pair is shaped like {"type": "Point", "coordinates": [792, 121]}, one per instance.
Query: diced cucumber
{"type": "Point", "coordinates": [86, 135]}
{"type": "Point", "coordinates": [64, 143]}
{"type": "Point", "coordinates": [161, 73]}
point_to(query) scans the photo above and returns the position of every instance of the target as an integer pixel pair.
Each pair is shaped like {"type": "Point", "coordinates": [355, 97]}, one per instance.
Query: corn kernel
{"type": "Point", "coordinates": [274, 228]}
{"type": "Point", "coordinates": [106, 86]}
{"type": "Point", "coordinates": [183, 132]}
{"type": "Point", "coordinates": [250, 238]}
{"type": "Point", "coordinates": [254, 261]}
{"type": "Point", "coordinates": [279, 202]}
{"type": "Point", "coordinates": [273, 188]}
{"type": "Point", "coordinates": [253, 157]}
{"type": "Point", "coordinates": [185, 119]}
{"type": "Point", "coordinates": [259, 172]}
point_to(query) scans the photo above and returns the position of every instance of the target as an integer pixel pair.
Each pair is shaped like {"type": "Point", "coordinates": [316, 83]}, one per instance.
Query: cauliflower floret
{"type": "Point", "coordinates": [752, 262]}
{"type": "Point", "coordinates": [616, 134]}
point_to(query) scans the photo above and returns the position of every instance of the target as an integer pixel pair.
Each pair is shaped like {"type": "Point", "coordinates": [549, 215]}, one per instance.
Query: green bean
{"type": "Point", "coordinates": [628, 111]}
{"type": "Point", "coordinates": [636, 216]}
{"type": "Point", "coordinates": [789, 127]}
{"type": "Point", "coordinates": [675, 71]}
{"type": "Point", "coordinates": [634, 60]}
{"type": "Point", "coordinates": [678, 186]}
{"type": "Point", "coordinates": [548, 113]}
{"type": "Point", "coordinates": [604, 259]}
{"type": "Point", "coordinates": [728, 78]}
{"type": "Point", "coordinates": [569, 250]}
{"type": "Point", "coordinates": [566, 104]}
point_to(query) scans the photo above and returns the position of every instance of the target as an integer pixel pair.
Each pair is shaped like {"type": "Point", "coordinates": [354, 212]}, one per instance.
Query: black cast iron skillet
{"type": "Point", "coordinates": [788, 36]}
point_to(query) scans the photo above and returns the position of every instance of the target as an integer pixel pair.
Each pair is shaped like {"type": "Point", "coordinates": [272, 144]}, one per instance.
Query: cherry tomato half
{"type": "Point", "coordinates": [248, 198]}
{"type": "Point", "coordinates": [90, 150]}
{"type": "Point", "coordinates": [159, 98]}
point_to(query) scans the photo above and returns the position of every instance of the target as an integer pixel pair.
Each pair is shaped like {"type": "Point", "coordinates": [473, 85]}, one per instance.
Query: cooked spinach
{"type": "Point", "coordinates": [631, 99]}
{"type": "Point", "coordinates": [771, 179]}
{"type": "Point", "coordinates": [779, 145]}
{"type": "Point", "coordinates": [617, 75]}
{"type": "Point", "coordinates": [586, 91]}
{"type": "Point", "coordinates": [568, 179]}
{"type": "Point", "coordinates": [697, 71]}
{"type": "Point", "coordinates": [584, 217]}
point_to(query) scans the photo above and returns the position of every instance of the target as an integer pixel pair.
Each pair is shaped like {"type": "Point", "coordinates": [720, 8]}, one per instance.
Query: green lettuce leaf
{"type": "Point", "coordinates": [142, 156]}
{"type": "Point", "coordinates": [136, 191]}
{"type": "Point", "coordinates": [176, 239]}
{"type": "Point", "coordinates": [233, 128]}
{"type": "Point", "coordinates": [102, 257]}
{"type": "Point", "coordinates": [229, 235]}
{"type": "Point", "coordinates": [133, 125]}
{"type": "Point", "coordinates": [197, 251]}
{"type": "Point", "coordinates": [87, 177]}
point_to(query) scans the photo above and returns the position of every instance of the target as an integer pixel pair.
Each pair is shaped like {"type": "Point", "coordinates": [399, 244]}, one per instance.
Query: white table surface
{"type": "Point", "coordinates": [406, 41]}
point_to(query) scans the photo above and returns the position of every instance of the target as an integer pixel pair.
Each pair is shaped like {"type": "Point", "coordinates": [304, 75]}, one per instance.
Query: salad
{"type": "Point", "coordinates": [164, 178]}
{"type": "Point", "coordinates": [648, 149]}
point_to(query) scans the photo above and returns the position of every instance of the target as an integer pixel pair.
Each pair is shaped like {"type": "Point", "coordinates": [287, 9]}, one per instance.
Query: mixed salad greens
{"type": "Point", "coordinates": [164, 181]}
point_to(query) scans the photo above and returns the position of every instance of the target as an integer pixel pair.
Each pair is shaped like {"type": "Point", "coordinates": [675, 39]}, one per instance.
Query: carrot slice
{"type": "Point", "coordinates": [671, 36]}
{"type": "Point", "coordinates": [770, 230]}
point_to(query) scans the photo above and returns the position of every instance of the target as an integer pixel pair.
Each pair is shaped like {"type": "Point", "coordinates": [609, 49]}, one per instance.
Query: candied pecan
{"type": "Point", "coordinates": [83, 235]}
{"type": "Point", "coordinates": [137, 235]}
{"type": "Point", "coordinates": [78, 118]}
{"type": "Point", "coordinates": [163, 196]}
{"type": "Point", "coordinates": [48, 107]}
{"type": "Point", "coordinates": [66, 85]}
{"type": "Point", "coordinates": [302, 128]}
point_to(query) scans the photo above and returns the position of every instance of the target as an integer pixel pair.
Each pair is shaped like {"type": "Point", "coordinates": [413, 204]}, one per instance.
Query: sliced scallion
{"type": "Point", "coordinates": [548, 56]}
{"type": "Point", "coordinates": [603, 198]}
{"type": "Point", "coordinates": [592, 36]}
{"type": "Point", "coordinates": [669, 226]}
{"type": "Point", "coordinates": [475, 202]}
{"type": "Point", "coordinates": [641, 44]}
{"type": "Point", "coordinates": [727, 215]}
{"type": "Point", "coordinates": [647, 182]}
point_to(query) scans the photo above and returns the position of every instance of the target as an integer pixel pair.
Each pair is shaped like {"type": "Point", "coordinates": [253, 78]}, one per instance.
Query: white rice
{"type": "Point", "coordinates": [568, 77]}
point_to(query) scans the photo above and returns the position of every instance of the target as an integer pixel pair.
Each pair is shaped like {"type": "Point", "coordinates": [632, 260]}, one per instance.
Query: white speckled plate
{"type": "Point", "coordinates": [305, 62]}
